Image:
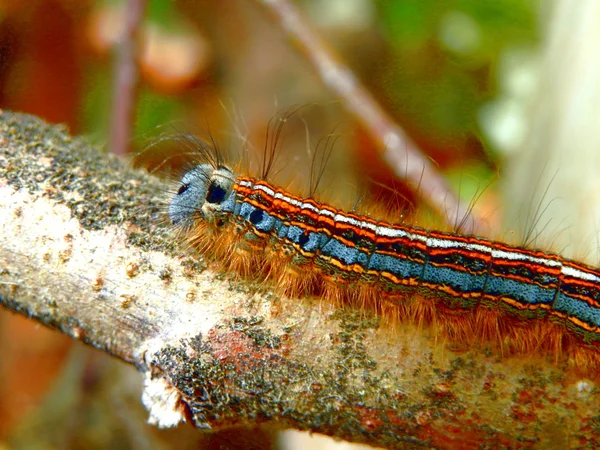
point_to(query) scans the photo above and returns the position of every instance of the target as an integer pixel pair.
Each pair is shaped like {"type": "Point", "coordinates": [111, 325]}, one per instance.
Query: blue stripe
{"type": "Point", "coordinates": [459, 281]}
{"type": "Point", "coordinates": [522, 292]}
{"type": "Point", "coordinates": [313, 243]}
{"type": "Point", "coordinates": [343, 253]}
{"type": "Point", "coordinates": [577, 308]}
{"type": "Point", "coordinates": [396, 266]}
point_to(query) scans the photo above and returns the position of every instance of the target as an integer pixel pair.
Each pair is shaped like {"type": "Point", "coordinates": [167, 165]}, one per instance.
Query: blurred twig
{"type": "Point", "coordinates": [126, 78]}
{"type": "Point", "coordinates": [395, 146]}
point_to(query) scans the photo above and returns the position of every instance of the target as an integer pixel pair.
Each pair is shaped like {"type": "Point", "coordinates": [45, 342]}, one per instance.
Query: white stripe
{"type": "Point", "coordinates": [447, 243]}
{"type": "Point", "coordinates": [322, 212]}
{"type": "Point", "coordinates": [326, 212]}
{"type": "Point", "coordinates": [392, 232]}
{"type": "Point", "coordinates": [370, 226]}
{"type": "Point", "coordinates": [357, 223]}
{"type": "Point", "coordinates": [286, 199]}
{"type": "Point", "coordinates": [346, 219]}
{"type": "Point", "coordinates": [576, 273]}
{"type": "Point", "coordinates": [514, 256]}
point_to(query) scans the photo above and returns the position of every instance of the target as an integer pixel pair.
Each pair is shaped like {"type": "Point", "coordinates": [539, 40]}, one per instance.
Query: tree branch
{"type": "Point", "coordinates": [84, 248]}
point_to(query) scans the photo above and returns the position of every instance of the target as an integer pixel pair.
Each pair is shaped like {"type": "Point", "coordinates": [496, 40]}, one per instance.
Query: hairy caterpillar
{"type": "Point", "coordinates": [468, 287]}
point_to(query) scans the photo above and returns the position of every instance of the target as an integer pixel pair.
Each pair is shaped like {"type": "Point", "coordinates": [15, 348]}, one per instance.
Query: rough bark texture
{"type": "Point", "coordinates": [85, 248]}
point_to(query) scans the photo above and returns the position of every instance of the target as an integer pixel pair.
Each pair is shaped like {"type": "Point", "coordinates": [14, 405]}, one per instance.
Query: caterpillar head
{"type": "Point", "coordinates": [205, 193]}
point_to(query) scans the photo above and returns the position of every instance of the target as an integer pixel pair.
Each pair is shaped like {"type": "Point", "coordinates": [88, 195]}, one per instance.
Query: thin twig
{"type": "Point", "coordinates": [395, 146]}
{"type": "Point", "coordinates": [126, 78]}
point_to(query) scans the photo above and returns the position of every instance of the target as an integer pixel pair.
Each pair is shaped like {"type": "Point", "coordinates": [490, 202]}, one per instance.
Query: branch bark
{"type": "Point", "coordinates": [84, 248]}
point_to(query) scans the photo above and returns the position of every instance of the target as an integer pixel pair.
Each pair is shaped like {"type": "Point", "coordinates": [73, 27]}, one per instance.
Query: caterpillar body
{"type": "Point", "coordinates": [469, 287]}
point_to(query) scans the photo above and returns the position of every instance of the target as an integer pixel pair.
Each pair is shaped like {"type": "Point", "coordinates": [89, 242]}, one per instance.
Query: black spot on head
{"type": "Point", "coordinates": [215, 194]}
{"type": "Point", "coordinates": [183, 188]}
{"type": "Point", "coordinates": [256, 216]}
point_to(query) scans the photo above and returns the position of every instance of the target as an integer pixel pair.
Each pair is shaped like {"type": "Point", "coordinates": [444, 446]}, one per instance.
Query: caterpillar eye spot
{"type": "Point", "coordinates": [256, 216]}
{"type": "Point", "coordinates": [304, 238]}
{"type": "Point", "coordinates": [183, 188]}
{"type": "Point", "coordinates": [215, 194]}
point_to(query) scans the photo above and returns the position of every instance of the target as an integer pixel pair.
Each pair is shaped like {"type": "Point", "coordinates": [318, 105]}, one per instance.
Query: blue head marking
{"type": "Point", "coordinates": [204, 192]}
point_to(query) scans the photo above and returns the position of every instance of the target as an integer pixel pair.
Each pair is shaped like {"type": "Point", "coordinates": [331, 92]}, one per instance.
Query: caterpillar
{"type": "Point", "coordinates": [469, 287]}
